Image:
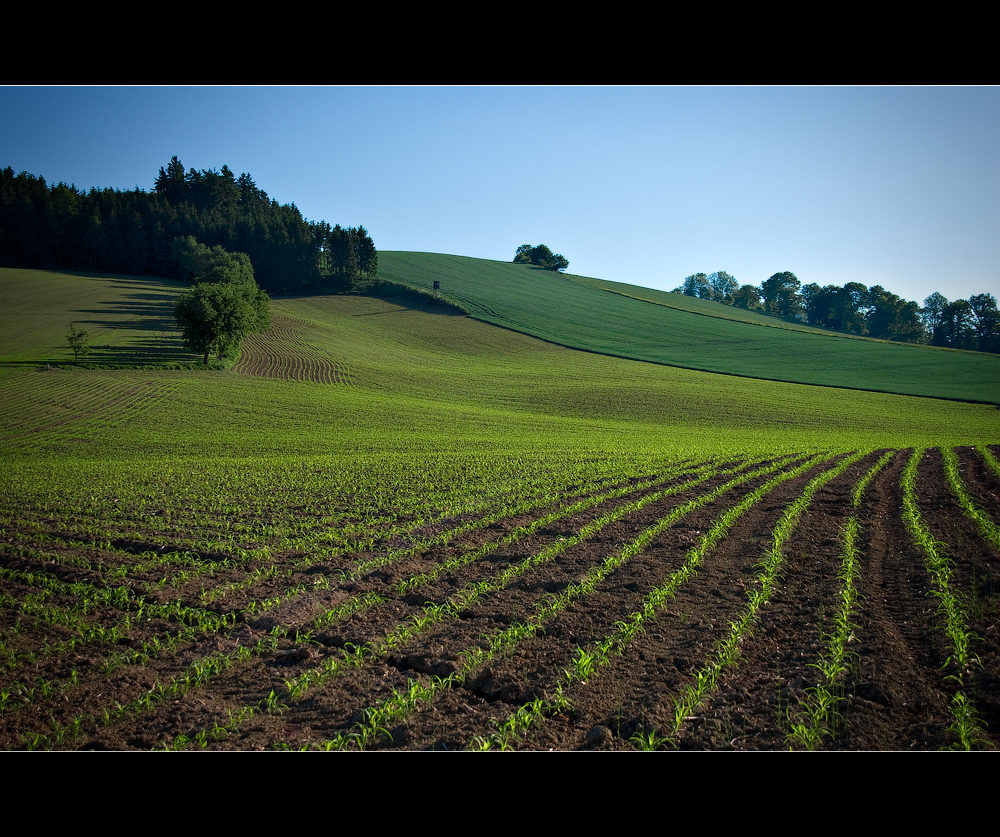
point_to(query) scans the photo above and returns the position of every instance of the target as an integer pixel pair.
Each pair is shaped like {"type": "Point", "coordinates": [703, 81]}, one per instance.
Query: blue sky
{"type": "Point", "coordinates": [897, 186]}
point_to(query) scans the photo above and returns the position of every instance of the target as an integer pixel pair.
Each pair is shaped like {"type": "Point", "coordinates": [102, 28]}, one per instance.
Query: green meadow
{"type": "Point", "coordinates": [129, 319]}
{"type": "Point", "coordinates": [421, 397]}
{"type": "Point", "coordinates": [411, 379]}
{"type": "Point", "coordinates": [643, 324]}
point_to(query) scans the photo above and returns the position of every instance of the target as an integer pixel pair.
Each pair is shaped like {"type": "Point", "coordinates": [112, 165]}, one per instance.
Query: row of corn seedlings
{"type": "Point", "coordinates": [970, 508]}
{"type": "Point", "coordinates": [364, 601]}
{"type": "Point", "coordinates": [431, 615]}
{"type": "Point", "coordinates": [768, 580]}
{"type": "Point", "coordinates": [817, 716]}
{"type": "Point", "coordinates": [951, 608]}
{"type": "Point", "coordinates": [172, 687]}
{"type": "Point", "coordinates": [377, 719]}
{"type": "Point", "coordinates": [600, 653]}
{"type": "Point", "coordinates": [197, 674]}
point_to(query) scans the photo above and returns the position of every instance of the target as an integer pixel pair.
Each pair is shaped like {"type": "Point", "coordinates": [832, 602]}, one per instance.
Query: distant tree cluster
{"type": "Point", "coordinates": [133, 231]}
{"type": "Point", "coordinates": [854, 308]}
{"type": "Point", "coordinates": [721, 287]}
{"type": "Point", "coordinates": [540, 256]}
{"type": "Point", "coordinates": [972, 323]}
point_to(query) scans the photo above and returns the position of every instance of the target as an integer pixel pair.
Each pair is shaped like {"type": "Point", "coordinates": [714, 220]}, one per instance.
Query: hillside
{"type": "Point", "coordinates": [605, 317]}
{"type": "Point", "coordinates": [389, 526]}
{"type": "Point", "coordinates": [402, 377]}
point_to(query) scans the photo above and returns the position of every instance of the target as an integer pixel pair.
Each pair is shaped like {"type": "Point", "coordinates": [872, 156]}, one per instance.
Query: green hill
{"type": "Point", "coordinates": [345, 373]}
{"type": "Point", "coordinates": [394, 513]}
{"type": "Point", "coordinates": [129, 320]}
{"type": "Point", "coordinates": [608, 318]}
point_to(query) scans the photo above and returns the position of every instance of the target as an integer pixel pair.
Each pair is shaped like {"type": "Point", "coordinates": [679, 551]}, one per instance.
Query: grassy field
{"type": "Point", "coordinates": [383, 514]}
{"type": "Point", "coordinates": [665, 328]}
{"type": "Point", "coordinates": [403, 379]}
{"type": "Point", "coordinates": [129, 320]}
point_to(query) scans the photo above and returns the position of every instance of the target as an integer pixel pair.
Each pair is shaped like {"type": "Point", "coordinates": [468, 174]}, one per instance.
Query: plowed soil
{"type": "Point", "coordinates": [126, 645]}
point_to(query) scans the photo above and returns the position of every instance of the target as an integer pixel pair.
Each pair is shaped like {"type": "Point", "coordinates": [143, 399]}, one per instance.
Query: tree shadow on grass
{"type": "Point", "coordinates": [147, 312]}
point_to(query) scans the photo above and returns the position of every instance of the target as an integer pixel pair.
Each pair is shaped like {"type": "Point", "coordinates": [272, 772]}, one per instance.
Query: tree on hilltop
{"type": "Point", "coordinates": [540, 256]}
{"type": "Point", "coordinates": [747, 297]}
{"type": "Point", "coordinates": [781, 294]}
{"type": "Point", "coordinates": [724, 286]}
{"type": "Point", "coordinates": [697, 285]}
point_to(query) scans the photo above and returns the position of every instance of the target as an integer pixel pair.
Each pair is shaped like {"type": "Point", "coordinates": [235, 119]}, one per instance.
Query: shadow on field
{"type": "Point", "coordinates": [136, 327]}
{"type": "Point", "coordinates": [410, 299]}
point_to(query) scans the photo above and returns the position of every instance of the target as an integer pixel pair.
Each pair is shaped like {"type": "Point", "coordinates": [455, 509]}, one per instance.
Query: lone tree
{"type": "Point", "coordinates": [76, 338]}
{"type": "Point", "coordinates": [540, 256]}
{"type": "Point", "coordinates": [223, 308]}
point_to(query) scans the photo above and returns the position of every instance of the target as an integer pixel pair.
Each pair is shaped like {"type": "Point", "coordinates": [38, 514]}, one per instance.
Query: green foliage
{"type": "Point", "coordinates": [540, 256]}
{"type": "Point", "coordinates": [697, 285]}
{"type": "Point", "coordinates": [134, 231]}
{"type": "Point", "coordinates": [748, 298]}
{"type": "Point", "coordinates": [225, 306]}
{"type": "Point", "coordinates": [724, 287]}
{"type": "Point", "coordinates": [346, 255]}
{"type": "Point", "coordinates": [76, 339]}
{"type": "Point", "coordinates": [201, 264]}
{"type": "Point", "coordinates": [780, 293]}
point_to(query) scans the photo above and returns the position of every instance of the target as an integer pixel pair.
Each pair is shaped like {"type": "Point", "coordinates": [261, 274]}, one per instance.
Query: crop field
{"type": "Point", "coordinates": [389, 528]}
{"type": "Point", "coordinates": [658, 327]}
{"type": "Point", "coordinates": [286, 352]}
{"type": "Point", "coordinates": [845, 601]}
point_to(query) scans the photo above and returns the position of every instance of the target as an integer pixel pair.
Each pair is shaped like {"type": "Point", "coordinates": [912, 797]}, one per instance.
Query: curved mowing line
{"type": "Point", "coordinates": [98, 407]}
{"type": "Point", "coordinates": [283, 352]}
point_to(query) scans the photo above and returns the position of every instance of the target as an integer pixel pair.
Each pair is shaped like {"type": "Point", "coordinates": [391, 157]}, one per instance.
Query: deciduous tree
{"type": "Point", "coordinates": [541, 256]}
{"type": "Point", "coordinates": [223, 308]}
{"type": "Point", "coordinates": [987, 320]}
{"type": "Point", "coordinates": [723, 287]}
{"type": "Point", "coordinates": [781, 294]}
{"type": "Point", "coordinates": [747, 297]}
{"type": "Point", "coordinates": [76, 338]}
{"type": "Point", "coordinates": [697, 285]}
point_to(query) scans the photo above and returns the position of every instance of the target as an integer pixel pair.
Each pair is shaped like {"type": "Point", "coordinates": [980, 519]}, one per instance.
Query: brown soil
{"type": "Point", "coordinates": [93, 658]}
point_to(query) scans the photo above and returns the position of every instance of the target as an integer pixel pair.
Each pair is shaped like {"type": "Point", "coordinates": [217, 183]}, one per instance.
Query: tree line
{"type": "Point", "coordinates": [961, 324]}
{"type": "Point", "coordinates": [133, 231]}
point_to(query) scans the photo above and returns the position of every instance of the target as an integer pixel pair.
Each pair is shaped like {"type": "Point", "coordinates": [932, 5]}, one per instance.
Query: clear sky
{"type": "Point", "coordinates": [897, 186]}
